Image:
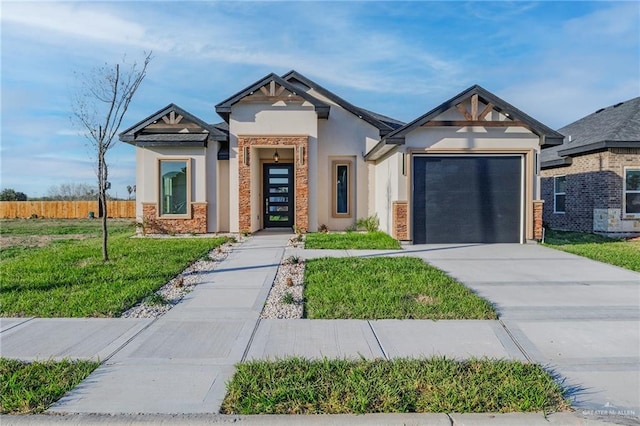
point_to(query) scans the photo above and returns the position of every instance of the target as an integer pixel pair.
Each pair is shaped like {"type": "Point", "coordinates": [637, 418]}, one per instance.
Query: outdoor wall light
{"type": "Point", "coordinates": [276, 157]}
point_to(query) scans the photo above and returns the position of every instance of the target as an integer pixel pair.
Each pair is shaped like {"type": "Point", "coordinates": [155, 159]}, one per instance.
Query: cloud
{"type": "Point", "coordinates": [77, 21]}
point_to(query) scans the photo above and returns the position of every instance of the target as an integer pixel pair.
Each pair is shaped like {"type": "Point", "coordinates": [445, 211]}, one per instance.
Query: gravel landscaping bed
{"type": "Point", "coordinates": [172, 292]}
{"type": "Point", "coordinates": [285, 300]}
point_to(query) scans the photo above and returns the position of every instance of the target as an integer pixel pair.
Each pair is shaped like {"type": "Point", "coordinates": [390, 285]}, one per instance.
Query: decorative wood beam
{"type": "Point", "coordinates": [461, 108]}
{"type": "Point", "coordinates": [280, 90]}
{"type": "Point", "coordinates": [474, 107]}
{"type": "Point", "coordinates": [272, 88]}
{"type": "Point", "coordinates": [264, 90]}
{"type": "Point", "coordinates": [476, 123]}
{"type": "Point", "coordinates": [178, 119]}
{"type": "Point", "coordinates": [166, 119]}
{"type": "Point", "coordinates": [487, 109]}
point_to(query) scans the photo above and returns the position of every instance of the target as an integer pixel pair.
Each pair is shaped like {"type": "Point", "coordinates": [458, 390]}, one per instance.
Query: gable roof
{"type": "Point", "coordinates": [131, 134]}
{"type": "Point", "coordinates": [548, 136]}
{"type": "Point", "coordinates": [224, 107]}
{"type": "Point", "coordinates": [383, 123]}
{"type": "Point", "coordinates": [616, 126]}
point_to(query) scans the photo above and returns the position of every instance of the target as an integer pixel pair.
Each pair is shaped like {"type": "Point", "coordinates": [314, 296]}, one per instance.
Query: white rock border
{"type": "Point", "coordinates": [184, 282]}
{"type": "Point", "coordinates": [289, 279]}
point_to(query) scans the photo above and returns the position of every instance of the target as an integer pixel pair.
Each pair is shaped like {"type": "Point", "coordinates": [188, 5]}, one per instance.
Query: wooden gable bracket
{"type": "Point", "coordinates": [474, 118]}
{"type": "Point", "coordinates": [273, 90]}
{"type": "Point", "coordinates": [171, 118]}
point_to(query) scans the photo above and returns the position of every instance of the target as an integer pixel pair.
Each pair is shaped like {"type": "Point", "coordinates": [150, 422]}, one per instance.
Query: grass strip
{"type": "Point", "coordinates": [30, 388]}
{"type": "Point", "coordinates": [351, 240]}
{"type": "Point", "coordinates": [385, 288]}
{"type": "Point", "coordinates": [625, 254]}
{"type": "Point", "coordinates": [69, 278]}
{"type": "Point", "coordinates": [435, 385]}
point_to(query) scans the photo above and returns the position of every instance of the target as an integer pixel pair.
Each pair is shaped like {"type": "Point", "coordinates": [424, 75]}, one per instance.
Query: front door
{"type": "Point", "coordinates": [278, 195]}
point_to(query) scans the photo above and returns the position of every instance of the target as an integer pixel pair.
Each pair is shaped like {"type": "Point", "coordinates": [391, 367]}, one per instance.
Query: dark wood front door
{"type": "Point", "coordinates": [278, 195]}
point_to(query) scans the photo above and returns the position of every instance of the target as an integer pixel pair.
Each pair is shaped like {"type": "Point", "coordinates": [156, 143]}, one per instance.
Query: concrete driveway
{"type": "Point", "coordinates": [575, 315]}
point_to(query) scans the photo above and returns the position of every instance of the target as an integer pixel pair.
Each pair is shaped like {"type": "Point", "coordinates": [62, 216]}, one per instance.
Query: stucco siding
{"type": "Point", "coordinates": [343, 137]}
{"type": "Point", "coordinates": [147, 164]}
{"type": "Point", "coordinates": [387, 178]}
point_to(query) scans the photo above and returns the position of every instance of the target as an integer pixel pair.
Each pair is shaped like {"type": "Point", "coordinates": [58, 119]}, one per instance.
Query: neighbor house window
{"type": "Point", "coordinates": [174, 187]}
{"type": "Point", "coordinates": [341, 188]}
{"type": "Point", "coordinates": [559, 193]}
{"type": "Point", "coordinates": [632, 192]}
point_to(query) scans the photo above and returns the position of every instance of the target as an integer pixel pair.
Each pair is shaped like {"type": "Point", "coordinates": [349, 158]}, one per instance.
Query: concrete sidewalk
{"type": "Point", "coordinates": [577, 316]}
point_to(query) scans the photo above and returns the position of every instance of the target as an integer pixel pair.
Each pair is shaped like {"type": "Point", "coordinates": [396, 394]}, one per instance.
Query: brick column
{"type": "Point", "coordinates": [400, 220]}
{"type": "Point", "coordinates": [538, 207]}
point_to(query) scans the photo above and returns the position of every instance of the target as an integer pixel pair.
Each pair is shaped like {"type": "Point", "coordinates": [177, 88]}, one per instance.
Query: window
{"type": "Point", "coordinates": [174, 187]}
{"type": "Point", "coordinates": [341, 188]}
{"type": "Point", "coordinates": [632, 192]}
{"type": "Point", "coordinates": [559, 193]}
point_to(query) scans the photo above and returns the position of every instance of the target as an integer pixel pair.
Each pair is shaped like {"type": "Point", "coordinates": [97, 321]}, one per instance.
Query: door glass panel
{"type": "Point", "coordinates": [279, 180]}
{"type": "Point", "coordinates": [278, 208]}
{"type": "Point", "coordinates": [278, 171]}
{"type": "Point", "coordinates": [278, 199]}
{"type": "Point", "coordinates": [274, 218]}
{"type": "Point", "coordinates": [279, 189]}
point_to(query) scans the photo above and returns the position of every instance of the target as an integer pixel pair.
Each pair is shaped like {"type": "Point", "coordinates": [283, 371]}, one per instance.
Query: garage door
{"type": "Point", "coordinates": [467, 199]}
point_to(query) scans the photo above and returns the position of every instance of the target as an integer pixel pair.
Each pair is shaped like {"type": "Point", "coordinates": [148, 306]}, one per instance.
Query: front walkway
{"type": "Point", "coordinates": [578, 316]}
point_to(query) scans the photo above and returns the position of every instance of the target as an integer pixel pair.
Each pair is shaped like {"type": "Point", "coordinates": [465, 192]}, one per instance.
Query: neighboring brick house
{"type": "Point", "coordinates": [591, 183]}
{"type": "Point", "coordinates": [291, 154]}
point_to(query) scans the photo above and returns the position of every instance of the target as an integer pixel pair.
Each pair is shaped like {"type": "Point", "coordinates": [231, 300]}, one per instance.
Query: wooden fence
{"type": "Point", "coordinates": [64, 209]}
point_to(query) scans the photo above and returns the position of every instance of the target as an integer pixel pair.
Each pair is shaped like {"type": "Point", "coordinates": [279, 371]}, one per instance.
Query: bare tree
{"type": "Point", "coordinates": [99, 105]}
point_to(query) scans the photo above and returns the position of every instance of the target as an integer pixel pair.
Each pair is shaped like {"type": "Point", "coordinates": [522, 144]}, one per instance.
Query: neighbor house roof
{"type": "Point", "coordinates": [224, 107]}
{"type": "Point", "coordinates": [383, 123]}
{"type": "Point", "coordinates": [616, 126]}
{"type": "Point", "coordinates": [548, 136]}
{"type": "Point", "coordinates": [133, 134]}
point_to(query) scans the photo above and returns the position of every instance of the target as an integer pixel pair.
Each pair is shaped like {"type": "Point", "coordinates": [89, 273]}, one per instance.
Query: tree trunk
{"type": "Point", "coordinates": [102, 188]}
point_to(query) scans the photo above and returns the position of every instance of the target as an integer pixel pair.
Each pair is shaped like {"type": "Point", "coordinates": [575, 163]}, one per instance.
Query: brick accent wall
{"type": "Point", "coordinates": [538, 207]}
{"type": "Point", "coordinates": [401, 220]}
{"type": "Point", "coordinates": [301, 177]}
{"type": "Point", "coordinates": [152, 224]}
{"type": "Point", "coordinates": [594, 181]}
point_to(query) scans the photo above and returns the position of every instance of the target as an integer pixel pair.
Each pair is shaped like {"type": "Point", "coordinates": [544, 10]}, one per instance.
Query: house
{"type": "Point", "coordinates": [292, 154]}
{"type": "Point", "coordinates": [591, 183]}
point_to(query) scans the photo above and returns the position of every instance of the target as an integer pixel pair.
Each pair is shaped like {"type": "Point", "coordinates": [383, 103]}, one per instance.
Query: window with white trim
{"type": "Point", "coordinates": [341, 194]}
{"type": "Point", "coordinates": [174, 187]}
{"type": "Point", "coordinates": [559, 193]}
{"type": "Point", "coordinates": [632, 191]}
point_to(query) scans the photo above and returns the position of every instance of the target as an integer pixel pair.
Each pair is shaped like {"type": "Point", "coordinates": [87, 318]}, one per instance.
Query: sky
{"type": "Point", "coordinates": [556, 61]}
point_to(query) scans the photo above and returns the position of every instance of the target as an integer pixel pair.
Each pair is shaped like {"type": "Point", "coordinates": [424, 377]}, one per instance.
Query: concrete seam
{"type": "Point", "coordinates": [451, 422]}
{"type": "Point", "coordinates": [18, 325]}
{"type": "Point", "coordinates": [253, 334]}
{"type": "Point", "coordinates": [384, 353]}
{"type": "Point", "coordinates": [125, 343]}
{"type": "Point", "coordinates": [515, 341]}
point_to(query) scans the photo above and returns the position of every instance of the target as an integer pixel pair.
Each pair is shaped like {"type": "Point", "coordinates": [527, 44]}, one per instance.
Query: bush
{"type": "Point", "coordinates": [370, 224]}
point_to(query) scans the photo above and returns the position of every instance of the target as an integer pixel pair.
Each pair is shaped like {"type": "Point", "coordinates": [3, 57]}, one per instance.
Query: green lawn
{"type": "Point", "coordinates": [29, 388]}
{"type": "Point", "coordinates": [92, 227]}
{"type": "Point", "coordinates": [625, 254]}
{"type": "Point", "coordinates": [67, 278]}
{"type": "Point", "coordinates": [387, 287]}
{"type": "Point", "coordinates": [436, 385]}
{"type": "Point", "coordinates": [351, 240]}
